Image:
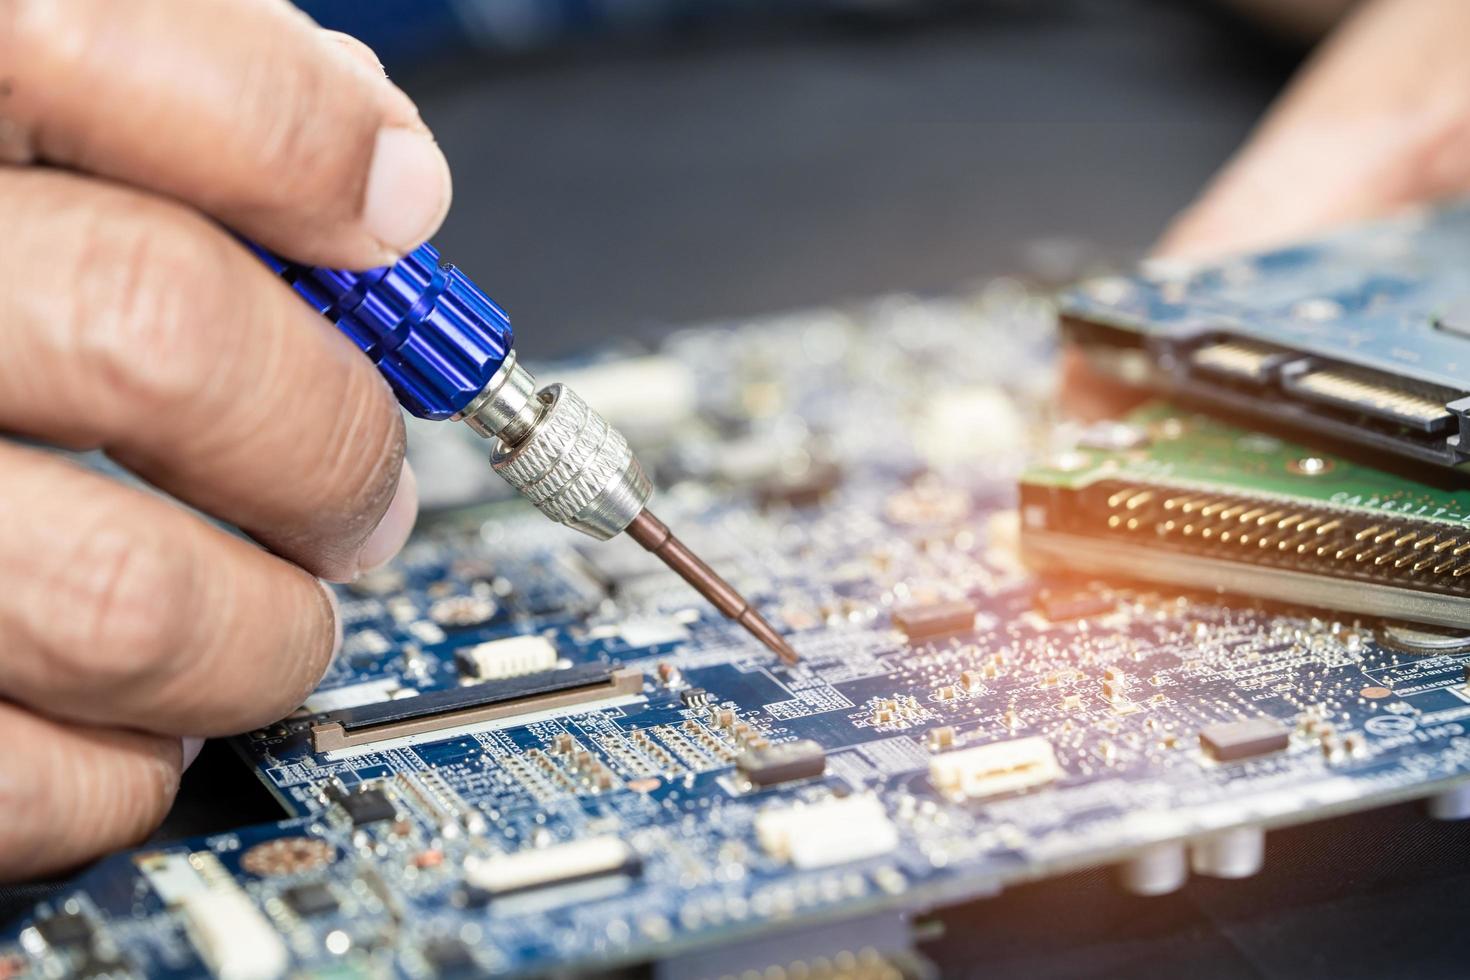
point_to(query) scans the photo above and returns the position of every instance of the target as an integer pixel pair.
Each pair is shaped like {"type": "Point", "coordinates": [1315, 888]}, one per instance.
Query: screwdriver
{"type": "Point", "coordinates": [446, 350]}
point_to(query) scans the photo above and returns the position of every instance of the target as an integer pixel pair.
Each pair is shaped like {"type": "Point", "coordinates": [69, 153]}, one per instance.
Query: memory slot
{"type": "Point", "coordinates": [1241, 359]}
{"type": "Point", "coordinates": [455, 709]}
{"type": "Point", "coordinates": [1422, 407]}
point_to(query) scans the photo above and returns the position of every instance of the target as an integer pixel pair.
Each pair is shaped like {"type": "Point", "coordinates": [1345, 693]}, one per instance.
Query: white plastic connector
{"type": "Point", "coordinates": [540, 866]}
{"type": "Point", "coordinates": [831, 832]}
{"type": "Point", "coordinates": [512, 656]}
{"type": "Point", "coordinates": [991, 770]}
{"type": "Point", "coordinates": [234, 937]}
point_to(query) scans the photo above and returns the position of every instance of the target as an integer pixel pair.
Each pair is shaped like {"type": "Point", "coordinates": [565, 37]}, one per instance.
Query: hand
{"type": "Point", "coordinates": [1379, 119]}
{"type": "Point", "coordinates": [132, 322]}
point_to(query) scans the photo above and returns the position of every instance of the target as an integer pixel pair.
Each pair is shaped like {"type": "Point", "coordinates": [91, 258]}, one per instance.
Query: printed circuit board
{"type": "Point", "coordinates": [537, 753]}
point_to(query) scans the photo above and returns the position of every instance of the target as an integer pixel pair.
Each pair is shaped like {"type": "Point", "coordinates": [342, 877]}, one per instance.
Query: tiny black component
{"type": "Point", "coordinates": [1059, 605]}
{"type": "Point", "coordinates": [936, 619]}
{"type": "Point", "coordinates": [783, 762]}
{"type": "Point", "coordinates": [65, 930]}
{"type": "Point", "coordinates": [465, 663]}
{"type": "Point", "coordinates": [806, 489]}
{"type": "Point", "coordinates": [694, 697]}
{"type": "Point", "coordinates": [310, 899]}
{"type": "Point", "coordinates": [368, 806]}
{"type": "Point", "coordinates": [1231, 740]}
{"type": "Point", "coordinates": [450, 958]}
{"type": "Point", "coordinates": [470, 897]}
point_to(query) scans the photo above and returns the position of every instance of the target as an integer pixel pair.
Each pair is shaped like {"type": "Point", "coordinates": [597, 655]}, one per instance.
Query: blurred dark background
{"type": "Point", "coordinates": [628, 165]}
{"type": "Point", "coordinates": [623, 167]}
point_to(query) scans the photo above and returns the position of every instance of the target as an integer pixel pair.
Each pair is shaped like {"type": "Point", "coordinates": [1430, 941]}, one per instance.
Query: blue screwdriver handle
{"type": "Point", "coordinates": [435, 336]}
{"type": "Point", "coordinates": [441, 343]}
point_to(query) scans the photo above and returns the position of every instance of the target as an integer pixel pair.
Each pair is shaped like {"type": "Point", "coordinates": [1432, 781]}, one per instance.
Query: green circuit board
{"type": "Point", "coordinates": [1183, 497]}
{"type": "Point", "coordinates": [1190, 449]}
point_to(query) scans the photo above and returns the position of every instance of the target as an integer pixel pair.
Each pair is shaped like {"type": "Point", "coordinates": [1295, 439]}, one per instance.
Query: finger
{"type": "Point", "coordinates": [73, 793]}
{"type": "Point", "coordinates": [135, 326]}
{"type": "Point", "coordinates": [243, 108]}
{"type": "Point", "coordinates": [1298, 182]}
{"type": "Point", "coordinates": [1379, 119]}
{"type": "Point", "coordinates": [365, 55]}
{"type": "Point", "coordinates": [121, 608]}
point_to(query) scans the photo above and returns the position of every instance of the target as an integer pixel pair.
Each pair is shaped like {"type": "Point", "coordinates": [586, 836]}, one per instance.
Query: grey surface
{"type": "Point", "coordinates": [614, 194]}
{"type": "Point", "coordinates": [1375, 895]}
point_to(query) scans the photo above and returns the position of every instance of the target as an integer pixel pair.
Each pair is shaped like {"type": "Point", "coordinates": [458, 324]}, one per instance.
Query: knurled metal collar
{"type": "Point", "coordinates": [575, 467]}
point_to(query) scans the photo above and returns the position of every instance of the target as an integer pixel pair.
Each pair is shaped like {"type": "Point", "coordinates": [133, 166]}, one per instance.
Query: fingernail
{"type": "Point", "coordinates": [336, 618]}
{"type": "Point", "coordinates": [192, 745]}
{"type": "Point", "coordinates": [392, 531]}
{"type": "Point", "coordinates": [408, 188]}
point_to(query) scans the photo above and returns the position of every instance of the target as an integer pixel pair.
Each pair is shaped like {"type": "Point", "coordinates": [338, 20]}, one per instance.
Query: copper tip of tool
{"type": "Point", "coordinates": [655, 535]}
{"type": "Point", "coordinates": [766, 633]}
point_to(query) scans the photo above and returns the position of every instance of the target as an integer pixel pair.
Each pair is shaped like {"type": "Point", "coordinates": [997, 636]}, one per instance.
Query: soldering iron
{"type": "Point", "coordinates": [446, 350]}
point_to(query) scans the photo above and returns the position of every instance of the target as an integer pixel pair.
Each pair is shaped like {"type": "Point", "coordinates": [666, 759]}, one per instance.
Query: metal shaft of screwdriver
{"type": "Point", "coordinates": [447, 351]}
{"type": "Point", "coordinates": [654, 535]}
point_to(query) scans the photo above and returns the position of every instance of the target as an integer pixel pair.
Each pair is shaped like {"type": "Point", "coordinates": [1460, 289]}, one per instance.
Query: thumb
{"type": "Point", "coordinates": [283, 132]}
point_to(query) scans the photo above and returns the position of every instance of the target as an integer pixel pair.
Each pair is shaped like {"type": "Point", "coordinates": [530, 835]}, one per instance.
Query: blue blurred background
{"type": "Point", "coordinates": [402, 31]}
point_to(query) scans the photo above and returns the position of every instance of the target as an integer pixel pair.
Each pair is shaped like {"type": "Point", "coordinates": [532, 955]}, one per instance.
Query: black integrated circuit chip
{"type": "Point", "coordinates": [782, 762]}
{"type": "Point", "coordinates": [450, 958]}
{"type": "Point", "coordinates": [66, 930]}
{"type": "Point", "coordinates": [367, 806]}
{"type": "Point", "coordinates": [310, 899]}
{"type": "Point", "coordinates": [1232, 740]}
{"type": "Point", "coordinates": [934, 620]}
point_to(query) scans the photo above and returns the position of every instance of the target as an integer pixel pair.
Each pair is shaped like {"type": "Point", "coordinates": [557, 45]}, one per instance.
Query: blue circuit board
{"type": "Point", "coordinates": [844, 468]}
{"type": "Point", "coordinates": [1393, 295]}
{"type": "Point", "coordinates": [1363, 335]}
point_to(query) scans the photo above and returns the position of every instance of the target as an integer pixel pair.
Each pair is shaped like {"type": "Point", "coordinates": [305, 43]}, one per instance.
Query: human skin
{"type": "Point", "coordinates": [131, 135]}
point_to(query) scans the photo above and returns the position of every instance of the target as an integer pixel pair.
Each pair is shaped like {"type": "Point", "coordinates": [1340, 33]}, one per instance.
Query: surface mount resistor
{"type": "Point", "coordinates": [935, 620]}
{"type": "Point", "coordinates": [782, 762]}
